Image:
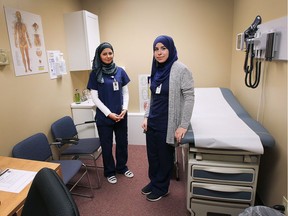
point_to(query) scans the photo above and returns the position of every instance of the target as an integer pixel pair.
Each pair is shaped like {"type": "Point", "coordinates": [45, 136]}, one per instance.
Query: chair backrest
{"type": "Point", "coordinates": [64, 128]}
{"type": "Point", "coordinates": [35, 147]}
{"type": "Point", "coordinates": [48, 196]}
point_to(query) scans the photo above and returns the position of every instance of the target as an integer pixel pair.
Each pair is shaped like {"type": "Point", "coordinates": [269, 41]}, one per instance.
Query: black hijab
{"type": "Point", "coordinates": [99, 67]}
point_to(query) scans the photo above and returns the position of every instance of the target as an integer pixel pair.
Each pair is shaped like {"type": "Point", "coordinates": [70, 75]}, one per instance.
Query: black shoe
{"type": "Point", "coordinates": [146, 190]}
{"type": "Point", "coordinates": [155, 197]}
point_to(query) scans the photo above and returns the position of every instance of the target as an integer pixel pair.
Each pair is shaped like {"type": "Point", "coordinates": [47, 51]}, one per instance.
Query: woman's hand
{"type": "Point", "coordinates": [144, 125]}
{"type": "Point", "coordinates": [180, 133]}
{"type": "Point", "coordinates": [114, 117]}
{"type": "Point", "coordinates": [123, 113]}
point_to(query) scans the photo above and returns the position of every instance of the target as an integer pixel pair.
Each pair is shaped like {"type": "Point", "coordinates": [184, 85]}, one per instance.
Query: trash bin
{"type": "Point", "coordinates": [261, 211]}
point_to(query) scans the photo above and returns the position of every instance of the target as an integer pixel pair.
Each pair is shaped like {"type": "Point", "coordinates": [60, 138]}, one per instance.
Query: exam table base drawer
{"type": "Point", "coordinates": [229, 175]}
{"type": "Point", "coordinates": [225, 193]}
{"type": "Point", "coordinates": [211, 208]}
{"type": "Point", "coordinates": [220, 183]}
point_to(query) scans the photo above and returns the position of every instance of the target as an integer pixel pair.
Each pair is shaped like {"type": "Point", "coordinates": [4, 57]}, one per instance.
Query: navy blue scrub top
{"type": "Point", "coordinates": [158, 113]}
{"type": "Point", "coordinates": [112, 99]}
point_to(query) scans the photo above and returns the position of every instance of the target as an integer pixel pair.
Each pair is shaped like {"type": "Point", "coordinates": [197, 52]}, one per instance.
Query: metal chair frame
{"type": "Point", "coordinates": [37, 147]}
{"type": "Point", "coordinates": [65, 136]}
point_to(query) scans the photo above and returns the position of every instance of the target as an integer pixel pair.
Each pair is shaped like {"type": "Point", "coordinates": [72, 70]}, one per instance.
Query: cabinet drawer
{"type": "Point", "coordinates": [223, 174]}
{"type": "Point", "coordinates": [219, 192]}
{"type": "Point", "coordinates": [214, 208]}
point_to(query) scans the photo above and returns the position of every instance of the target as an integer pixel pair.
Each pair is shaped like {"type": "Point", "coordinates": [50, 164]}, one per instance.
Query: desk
{"type": "Point", "coordinates": [12, 203]}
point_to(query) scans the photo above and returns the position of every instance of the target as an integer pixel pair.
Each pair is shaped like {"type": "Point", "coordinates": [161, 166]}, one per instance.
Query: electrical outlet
{"type": "Point", "coordinates": [285, 204]}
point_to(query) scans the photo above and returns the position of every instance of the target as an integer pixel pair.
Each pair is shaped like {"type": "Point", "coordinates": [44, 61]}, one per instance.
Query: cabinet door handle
{"type": "Point", "coordinates": [223, 188]}
{"type": "Point", "coordinates": [224, 170]}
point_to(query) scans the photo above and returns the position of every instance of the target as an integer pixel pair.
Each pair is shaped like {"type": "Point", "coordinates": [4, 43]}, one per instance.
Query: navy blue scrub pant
{"type": "Point", "coordinates": [106, 138]}
{"type": "Point", "coordinates": [160, 159]}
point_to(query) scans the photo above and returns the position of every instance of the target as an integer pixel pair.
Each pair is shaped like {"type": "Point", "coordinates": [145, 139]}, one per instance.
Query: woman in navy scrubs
{"type": "Point", "coordinates": [109, 91]}
{"type": "Point", "coordinates": [168, 116]}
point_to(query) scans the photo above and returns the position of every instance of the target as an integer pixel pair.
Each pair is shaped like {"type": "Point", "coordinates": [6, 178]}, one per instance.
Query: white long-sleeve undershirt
{"type": "Point", "coordinates": [100, 105]}
{"type": "Point", "coordinates": [125, 93]}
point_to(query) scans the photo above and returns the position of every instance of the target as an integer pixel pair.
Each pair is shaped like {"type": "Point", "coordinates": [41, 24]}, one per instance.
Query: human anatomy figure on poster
{"type": "Point", "coordinates": [22, 40]}
{"type": "Point", "coordinates": [26, 41]}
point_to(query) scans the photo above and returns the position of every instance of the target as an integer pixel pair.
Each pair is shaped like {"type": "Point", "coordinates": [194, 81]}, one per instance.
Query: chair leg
{"type": "Point", "coordinates": [176, 167]}
{"type": "Point", "coordinates": [95, 167]}
{"type": "Point", "coordinates": [89, 183]}
{"type": "Point", "coordinates": [97, 174]}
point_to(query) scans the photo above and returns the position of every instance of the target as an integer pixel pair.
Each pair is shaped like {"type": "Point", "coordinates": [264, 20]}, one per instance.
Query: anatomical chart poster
{"type": "Point", "coordinates": [26, 42]}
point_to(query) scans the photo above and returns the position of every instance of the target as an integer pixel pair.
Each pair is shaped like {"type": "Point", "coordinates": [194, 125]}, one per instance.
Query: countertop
{"type": "Point", "coordinates": [83, 105]}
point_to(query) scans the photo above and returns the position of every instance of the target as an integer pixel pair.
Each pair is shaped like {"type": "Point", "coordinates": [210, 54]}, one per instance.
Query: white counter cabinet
{"type": "Point", "coordinates": [85, 111]}
{"type": "Point", "coordinates": [135, 132]}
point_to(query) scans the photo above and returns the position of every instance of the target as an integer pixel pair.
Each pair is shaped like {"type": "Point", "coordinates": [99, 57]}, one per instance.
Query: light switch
{"type": "Point", "coordinates": [3, 57]}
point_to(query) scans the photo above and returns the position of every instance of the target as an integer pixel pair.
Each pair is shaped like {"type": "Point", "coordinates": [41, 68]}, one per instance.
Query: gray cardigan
{"type": "Point", "coordinates": [181, 100]}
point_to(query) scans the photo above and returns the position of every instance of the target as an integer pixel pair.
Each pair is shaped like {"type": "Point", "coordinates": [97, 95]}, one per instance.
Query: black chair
{"type": "Point", "coordinates": [36, 147]}
{"type": "Point", "coordinates": [65, 135]}
{"type": "Point", "coordinates": [48, 196]}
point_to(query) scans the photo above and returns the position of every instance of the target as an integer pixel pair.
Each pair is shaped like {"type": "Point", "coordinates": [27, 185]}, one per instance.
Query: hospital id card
{"type": "Point", "coordinates": [115, 86]}
{"type": "Point", "coordinates": [158, 89]}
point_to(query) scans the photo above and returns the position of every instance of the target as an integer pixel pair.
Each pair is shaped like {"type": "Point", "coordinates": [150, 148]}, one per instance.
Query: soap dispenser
{"type": "Point", "coordinates": [77, 98]}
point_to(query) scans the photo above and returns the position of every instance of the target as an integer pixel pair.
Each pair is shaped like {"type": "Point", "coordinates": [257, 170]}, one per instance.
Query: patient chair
{"type": "Point", "coordinates": [48, 196]}
{"type": "Point", "coordinates": [36, 147]}
{"type": "Point", "coordinates": [65, 134]}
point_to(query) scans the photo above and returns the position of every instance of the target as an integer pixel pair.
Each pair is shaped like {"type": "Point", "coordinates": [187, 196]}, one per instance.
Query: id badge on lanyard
{"type": "Point", "coordinates": [158, 89]}
{"type": "Point", "coordinates": [115, 84]}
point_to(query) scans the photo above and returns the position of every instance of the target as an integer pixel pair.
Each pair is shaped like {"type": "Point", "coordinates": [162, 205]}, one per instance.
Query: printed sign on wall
{"type": "Point", "coordinates": [144, 91]}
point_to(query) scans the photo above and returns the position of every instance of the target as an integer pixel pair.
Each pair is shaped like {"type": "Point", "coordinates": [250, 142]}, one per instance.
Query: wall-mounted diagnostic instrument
{"type": "Point", "coordinates": [262, 42]}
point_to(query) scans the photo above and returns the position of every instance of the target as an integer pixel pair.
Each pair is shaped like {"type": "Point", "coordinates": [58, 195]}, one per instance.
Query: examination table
{"type": "Point", "coordinates": [222, 155]}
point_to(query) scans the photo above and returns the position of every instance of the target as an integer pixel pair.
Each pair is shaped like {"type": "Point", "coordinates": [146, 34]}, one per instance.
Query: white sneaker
{"type": "Point", "coordinates": [129, 174]}
{"type": "Point", "coordinates": [112, 179]}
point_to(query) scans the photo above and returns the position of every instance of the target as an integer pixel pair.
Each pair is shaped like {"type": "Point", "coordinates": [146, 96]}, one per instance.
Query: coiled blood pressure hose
{"type": "Point", "coordinates": [251, 81]}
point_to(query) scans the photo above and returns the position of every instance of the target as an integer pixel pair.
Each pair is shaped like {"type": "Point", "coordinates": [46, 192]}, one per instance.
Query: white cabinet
{"type": "Point", "coordinates": [82, 39]}
{"type": "Point", "coordinates": [85, 111]}
{"type": "Point", "coordinates": [135, 132]}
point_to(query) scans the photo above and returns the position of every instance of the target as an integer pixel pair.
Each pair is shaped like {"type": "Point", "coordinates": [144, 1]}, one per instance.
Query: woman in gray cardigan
{"type": "Point", "coordinates": [168, 115]}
